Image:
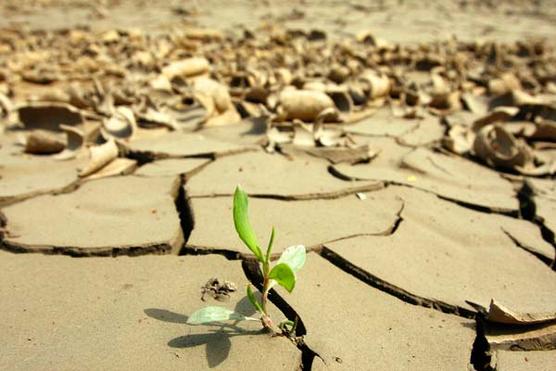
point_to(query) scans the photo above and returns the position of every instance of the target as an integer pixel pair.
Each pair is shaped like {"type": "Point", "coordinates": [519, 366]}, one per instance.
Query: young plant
{"type": "Point", "coordinates": [283, 273]}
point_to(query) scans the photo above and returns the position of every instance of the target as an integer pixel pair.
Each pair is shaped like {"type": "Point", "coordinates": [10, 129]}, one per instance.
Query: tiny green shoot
{"type": "Point", "coordinates": [283, 273]}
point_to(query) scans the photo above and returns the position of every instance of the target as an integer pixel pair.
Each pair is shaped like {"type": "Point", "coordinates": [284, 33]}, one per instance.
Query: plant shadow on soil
{"type": "Point", "coordinates": [217, 341]}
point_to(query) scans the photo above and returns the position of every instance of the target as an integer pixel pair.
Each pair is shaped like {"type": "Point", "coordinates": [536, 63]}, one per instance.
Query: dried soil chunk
{"type": "Point", "coordinates": [519, 337]}
{"type": "Point", "coordinates": [264, 174]}
{"type": "Point", "coordinates": [126, 313]}
{"type": "Point", "coordinates": [526, 361]}
{"type": "Point", "coordinates": [297, 222]}
{"type": "Point", "coordinates": [120, 215]}
{"type": "Point", "coordinates": [353, 326]}
{"type": "Point", "coordinates": [118, 166]}
{"type": "Point", "coordinates": [442, 252]}
{"type": "Point", "coordinates": [450, 177]}
{"type": "Point", "coordinates": [177, 144]}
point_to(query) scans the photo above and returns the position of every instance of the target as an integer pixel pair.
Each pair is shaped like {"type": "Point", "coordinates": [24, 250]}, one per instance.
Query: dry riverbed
{"type": "Point", "coordinates": [410, 147]}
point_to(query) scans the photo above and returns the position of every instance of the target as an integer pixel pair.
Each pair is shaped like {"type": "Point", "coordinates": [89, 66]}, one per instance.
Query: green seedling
{"type": "Point", "coordinates": [283, 273]}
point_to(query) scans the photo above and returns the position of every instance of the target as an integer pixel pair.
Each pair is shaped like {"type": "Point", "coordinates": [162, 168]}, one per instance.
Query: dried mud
{"type": "Point", "coordinates": [410, 147]}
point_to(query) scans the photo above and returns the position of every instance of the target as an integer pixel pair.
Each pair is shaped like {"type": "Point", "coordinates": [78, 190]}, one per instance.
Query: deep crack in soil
{"type": "Point", "coordinates": [528, 211]}
{"type": "Point", "coordinates": [254, 275]}
{"type": "Point", "coordinates": [393, 290]}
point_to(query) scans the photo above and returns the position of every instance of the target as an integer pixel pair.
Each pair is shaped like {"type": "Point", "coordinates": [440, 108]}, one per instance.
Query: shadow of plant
{"type": "Point", "coordinates": [217, 341]}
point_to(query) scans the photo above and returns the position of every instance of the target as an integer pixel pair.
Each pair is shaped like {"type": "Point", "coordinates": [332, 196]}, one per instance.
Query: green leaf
{"type": "Point", "coordinates": [294, 256]}
{"type": "Point", "coordinates": [241, 222]}
{"type": "Point", "coordinates": [270, 243]}
{"type": "Point", "coordinates": [283, 275]}
{"type": "Point", "coordinates": [253, 299]}
{"type": "Point", "coordinates": [216, 314]}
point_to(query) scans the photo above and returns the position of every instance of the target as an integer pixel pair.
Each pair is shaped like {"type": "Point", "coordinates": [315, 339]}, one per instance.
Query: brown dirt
{"type": "Point", "coordinates": [417, 166]}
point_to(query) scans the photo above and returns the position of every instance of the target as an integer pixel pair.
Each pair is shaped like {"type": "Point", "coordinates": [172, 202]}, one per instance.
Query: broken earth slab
{"type": "Point", "coordinates": [521, 337]}
{"type": "Point", "coordinates": [49, 115]}
{"type": "Point", "coordinates": [544, 195]}
{"type": "Point", "coordinates": [173, 167]}
{"type": "Point", "coordinates": [308, 222]}
{"type": "Point", "coordinates": [127, 313]}
{"type": "Point", "coordinates": [125, 215]}
{"type": "Point", "coordinates": [525, 361]}
{"type": "Point", "coordinates": [383, 123]}
{"type": "Point", "coordinates": [181, 144]}
{"type": "Point", "coordinates": [272, 175]}
{"type": "Point", "coordinates": [453, 178]}
{"type": "Point", "coordinates": [24, 176]}
{"type": "Point", "coordinates": [352, 326]}
{"type": "Point", "coordinates": [529, 237]}
{"type": "Point", "coordinates": [444, 255]}
{"type": "Point", "coordinates": [118, 166]}
{"type": "Point", "coordinates": [498, 313]}
{"type": "Point", "coordinates": [429, 131]}
{"type": "Point", "coordinates": [250, 131]}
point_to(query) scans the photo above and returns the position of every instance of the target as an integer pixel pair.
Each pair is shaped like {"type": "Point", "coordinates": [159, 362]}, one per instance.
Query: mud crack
{"type": "Point", "coordinates": [528, 211]}
{"type": "Point", "coordinates": [254, 275]}
{"type": "Point", "coordinates": [393, 290]}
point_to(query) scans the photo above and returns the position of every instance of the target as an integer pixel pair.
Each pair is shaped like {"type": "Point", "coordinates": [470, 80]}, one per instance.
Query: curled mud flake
{"type": "Point", "coordinates": [100, 156]}
{"type": "Point", "coordinates": [152, 117]}
{"type": "Point", "coordinates": [499, 114]}
{"type": "Point", "coordinates": [77, 138]}
{"type": "Point", "coordinates": [186, 68]}
{"type": "Point", "coordinates": [475, 103]}
{"type": "Point", "coordinates": [40, 142]}
{"type": "Point", "coordinates": [215, 90]}
{"type": "Point", "coordinates": [216, 99]}
{"type": "Point", "coordinates": [459, 140]}
{"type": "Point", "coordinates": [161, 83]}
{"type": "Point", "coordinates": [351, 154]}
{"type": "Point", "coordinates": [375, 84]}
{"type": "Point", "coordinates": [41, 75]}
{"type": "Point", "coordinates": [122, 124]}
{"type": "Point", "coordinates": [49, 115]}
{"type": "Point", "coordinates": [506, 83]}
{"type": "Point", "coordinates": [6, 105]}
{"type": "Point", "coordinates": [305, 105]}
{"type": "Point", "coordinates": [119, 166]}
{"type": "Point", "coordinates": [218, 289]}
{"type": "Point", "coordinates": [342, 99]}
{"type": "Point", "coordinates": [257, 94]}
{"type": "Point", "coordinates": [303, 136]}
{"type": "Point", "coordinates": [499, 313]}
{"type": "Point", "coordinates": [498, 147]}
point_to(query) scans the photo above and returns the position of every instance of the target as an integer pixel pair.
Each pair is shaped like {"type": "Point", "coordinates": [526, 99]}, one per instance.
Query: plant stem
{"type": "Point", "coordinates": [266, 321]}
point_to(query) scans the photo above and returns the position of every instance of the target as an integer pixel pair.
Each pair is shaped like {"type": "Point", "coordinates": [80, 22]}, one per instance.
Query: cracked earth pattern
{"type": "Point", "coordinates": [410, 147]}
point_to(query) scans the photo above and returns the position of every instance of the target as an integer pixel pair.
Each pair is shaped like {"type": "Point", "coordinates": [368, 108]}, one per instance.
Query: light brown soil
{"type": "Point", "coordinates": [422, 185]}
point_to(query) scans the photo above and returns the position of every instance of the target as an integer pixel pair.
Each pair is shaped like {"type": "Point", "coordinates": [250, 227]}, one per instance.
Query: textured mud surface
{"type": "Point", "coordinates": [410, 147]}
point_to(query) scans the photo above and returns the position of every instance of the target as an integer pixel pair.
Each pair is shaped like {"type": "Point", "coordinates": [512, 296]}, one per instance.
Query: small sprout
{"type": "Point", "coordinates": [282, 273]}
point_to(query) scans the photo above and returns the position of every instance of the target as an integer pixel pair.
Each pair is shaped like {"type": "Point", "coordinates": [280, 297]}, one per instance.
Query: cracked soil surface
{"type": "Point", "coordinates": [410, 146]}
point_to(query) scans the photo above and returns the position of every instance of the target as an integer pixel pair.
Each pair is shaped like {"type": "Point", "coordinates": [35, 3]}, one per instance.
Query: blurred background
{"type": "Point", "coordinates": [393, 20]}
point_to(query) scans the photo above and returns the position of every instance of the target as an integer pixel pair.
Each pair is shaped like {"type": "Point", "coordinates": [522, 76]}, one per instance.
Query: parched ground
{"type": "Point", "coordinates": [410, 146]}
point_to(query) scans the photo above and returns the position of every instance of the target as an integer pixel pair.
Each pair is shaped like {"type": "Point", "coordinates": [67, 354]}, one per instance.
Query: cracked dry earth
{"type": "Point", "coordinates": [418, 170]}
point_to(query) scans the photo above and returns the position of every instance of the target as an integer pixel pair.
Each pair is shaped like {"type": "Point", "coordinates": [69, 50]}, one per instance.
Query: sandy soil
{"type": "Point", "coordinates": [410, 147]}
